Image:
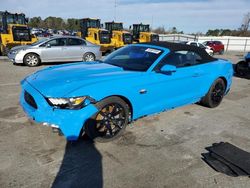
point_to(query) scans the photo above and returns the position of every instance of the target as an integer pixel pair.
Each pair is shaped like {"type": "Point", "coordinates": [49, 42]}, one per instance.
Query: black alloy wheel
{"type": "Point", "coordinates": [110, 121]}
{"type": "Point", "coordinates": [215, 94]}
{"type": "Point", "coordinates": [218, 93]}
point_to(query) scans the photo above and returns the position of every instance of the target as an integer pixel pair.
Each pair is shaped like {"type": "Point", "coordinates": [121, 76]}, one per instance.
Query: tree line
{"type": "Point", "coordinates": [54, 23]}
{"type": "Point", "coordinates": [73, 24]}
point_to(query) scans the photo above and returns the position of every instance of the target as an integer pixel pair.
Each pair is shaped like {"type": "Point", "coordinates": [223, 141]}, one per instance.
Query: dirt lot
{"type": "Point", "coordinates": [158, 151]}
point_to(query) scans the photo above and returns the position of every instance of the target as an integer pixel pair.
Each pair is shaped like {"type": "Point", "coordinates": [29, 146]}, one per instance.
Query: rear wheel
{"type": "Point", "coordinates": [215, 94]}
{"type": "Point", "coordinates": [110, 121]}
{"type": "Point", "coordinates": [31, 60]}
{"type": "Point", "coordinates": [88, 57]}
{"type": "Point", "coordinates": [221, 52]}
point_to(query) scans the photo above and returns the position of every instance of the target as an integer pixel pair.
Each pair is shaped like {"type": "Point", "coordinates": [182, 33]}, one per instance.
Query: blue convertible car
{"type": "Point", "coordinates": [101, 98]}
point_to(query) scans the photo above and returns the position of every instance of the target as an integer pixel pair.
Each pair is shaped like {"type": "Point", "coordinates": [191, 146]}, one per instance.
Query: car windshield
{"type": "Point", "coordinates": [134, 58]}
{"type": "Point", "coordinates": [38, 42]}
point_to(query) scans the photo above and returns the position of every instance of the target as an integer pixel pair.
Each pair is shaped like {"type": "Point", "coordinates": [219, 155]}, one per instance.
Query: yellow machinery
{"type": "Point", "coordinates": [119, 36]}
{"type": "Point", "coordinates": [141, 33]}
{"type": "Point", "coordinates": [90, 29]}
{"type": "Point", "coordinates": [14, 31]}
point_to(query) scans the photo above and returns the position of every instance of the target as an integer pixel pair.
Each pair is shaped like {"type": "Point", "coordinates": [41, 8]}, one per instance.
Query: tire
{"type": "Point", "coordinates": [211, 53]}
{"type": "Point", "coordinates": [237, 68]}
{"type": "Point", "coordinates": [221, 52]}
{"type": "Point", "coordinates": [88, 57]}
{"type": "Point", "coordinates": [215, 94]}
{"type": "Point", "coordinates": [31, 60]}
{"type": "Point", "coordinates": [105, 127]}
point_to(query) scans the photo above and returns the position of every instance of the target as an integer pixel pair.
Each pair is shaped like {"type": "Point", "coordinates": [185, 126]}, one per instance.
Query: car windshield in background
{"type": "Point", "coordinates": [134, 58]}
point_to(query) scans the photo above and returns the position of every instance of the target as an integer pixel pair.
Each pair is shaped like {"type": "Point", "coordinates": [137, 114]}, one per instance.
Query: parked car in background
{"type": "Point", "coordinates": [194, 43]}
{"type": "Point", "coordinates": [216, 46]}
{"type": "Point", "coordinates": [101, 98]}
{"type": "Point", "coordinates": [242, 68]}
{"type": "Point", "coordinates": [55, 49]}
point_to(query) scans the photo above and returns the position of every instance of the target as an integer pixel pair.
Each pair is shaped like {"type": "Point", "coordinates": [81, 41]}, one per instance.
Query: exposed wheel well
{"type": "Point", "coordinates": [88, 53]}
{"type": "Point", "coordinates": [32, 53]}
{"type": "Point", "coordinates": [225, 81]}
{"type": "Point", "coordinates": [127, 101]}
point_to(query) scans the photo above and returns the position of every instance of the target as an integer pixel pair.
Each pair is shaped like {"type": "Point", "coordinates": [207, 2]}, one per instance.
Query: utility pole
{"type": "Point", "coordinates": [152, 22]}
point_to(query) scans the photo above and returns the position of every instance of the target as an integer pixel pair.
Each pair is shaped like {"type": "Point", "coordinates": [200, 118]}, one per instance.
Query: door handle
{"type": "Point", "coordinates": [143, 91]}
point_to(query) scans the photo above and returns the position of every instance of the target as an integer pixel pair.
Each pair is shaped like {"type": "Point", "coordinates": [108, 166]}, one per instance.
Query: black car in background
{"type": "Point", "coordinates": [242, 68]}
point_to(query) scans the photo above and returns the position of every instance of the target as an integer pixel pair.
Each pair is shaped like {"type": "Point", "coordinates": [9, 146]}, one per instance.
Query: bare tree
{"type": "Point", "coordinates": [245, 23]}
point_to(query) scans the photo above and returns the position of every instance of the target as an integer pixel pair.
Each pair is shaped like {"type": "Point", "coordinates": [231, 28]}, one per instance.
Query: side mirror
{"type": "Point", "coordinates": [168, 69]}
{"type": "Point", "coordinates": [48, 45]}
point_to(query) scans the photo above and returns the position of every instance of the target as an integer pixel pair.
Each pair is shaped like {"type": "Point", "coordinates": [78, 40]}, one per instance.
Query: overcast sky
{"type": "Point", "coordinates": [186, 15]}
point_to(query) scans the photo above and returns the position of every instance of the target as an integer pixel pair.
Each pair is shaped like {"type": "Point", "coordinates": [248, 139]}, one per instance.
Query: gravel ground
{"type": "Point", "coordinates": [163, 150]}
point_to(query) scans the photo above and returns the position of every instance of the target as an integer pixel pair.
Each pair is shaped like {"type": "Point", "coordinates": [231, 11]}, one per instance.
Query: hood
{"type": "Point", "coordinates": [59, 81]}
{"type": "Point", "coordinates": [22, 47]}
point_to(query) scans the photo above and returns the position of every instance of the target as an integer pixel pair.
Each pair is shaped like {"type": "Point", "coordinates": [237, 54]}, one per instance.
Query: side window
{"type": "Point", "coordinates": [210, 43]}
{"type": "Point", "coordinates": [61, 42]}
{"type": "Point", "coordinates": [56, 42]}
{"type": "Point", "coordinates": [75, 42]}
{"type": "Point", "coordinates": [201, 45]}
{"type": "Point", "coordinates": [193, 44]}
{"type": "Point", "coordinates": [180, 59]}
{"type": "Point", "coordinates": [52, 42]}
{"type": "Point", "coordinates": [217, 42]}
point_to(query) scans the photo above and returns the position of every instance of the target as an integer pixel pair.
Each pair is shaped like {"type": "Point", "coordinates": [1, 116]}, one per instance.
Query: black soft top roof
{"type": "Point", "coordinates": [179, 47]}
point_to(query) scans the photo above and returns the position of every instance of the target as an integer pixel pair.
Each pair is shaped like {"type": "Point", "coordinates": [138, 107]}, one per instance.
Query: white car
{"type": "Point", "coordinates": [55, 49]}
{"type": "Point", "coordinates": [207, 48]}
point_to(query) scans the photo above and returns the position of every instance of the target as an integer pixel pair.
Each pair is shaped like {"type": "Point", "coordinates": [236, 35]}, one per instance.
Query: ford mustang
{"type": "Point", "coordinates": [100, 98]}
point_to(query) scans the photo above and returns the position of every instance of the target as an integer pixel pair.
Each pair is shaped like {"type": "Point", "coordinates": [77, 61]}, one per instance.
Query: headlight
{"type": "Point", "coordinates": [13, 51]}
{"type": "Point", "coordinates": [70, 103]}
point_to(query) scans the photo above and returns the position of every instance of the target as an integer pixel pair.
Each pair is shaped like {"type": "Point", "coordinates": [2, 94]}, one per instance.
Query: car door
{"type": "Point", "coordinates": [54, 50]}
{"type": "Point", "coordinates": [75, 49]}
{"type": "Point", "coordinates": [169, 90]}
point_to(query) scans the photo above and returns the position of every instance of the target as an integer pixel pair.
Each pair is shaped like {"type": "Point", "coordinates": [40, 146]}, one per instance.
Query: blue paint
{"type": "Point", "coordinates": [98, 80]}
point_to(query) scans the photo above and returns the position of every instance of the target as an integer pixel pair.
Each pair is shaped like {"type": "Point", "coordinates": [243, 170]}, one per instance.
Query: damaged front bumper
{"type": "Point", "coordinates": [69, 122]}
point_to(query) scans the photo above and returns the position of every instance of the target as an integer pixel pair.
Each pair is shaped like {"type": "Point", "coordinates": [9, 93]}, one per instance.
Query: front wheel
{"type": "Point", "coordinates": [110, 121]}
{"type": "Point", "coordinates": [31, 60]}
{"type": "Point", "coordinates": [215, 94]}
{"type": "Point", "coordinates": [88, 57]}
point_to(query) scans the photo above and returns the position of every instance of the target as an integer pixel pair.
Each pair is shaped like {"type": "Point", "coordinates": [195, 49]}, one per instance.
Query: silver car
{"type": "Point", "coordinates": [55, 49]}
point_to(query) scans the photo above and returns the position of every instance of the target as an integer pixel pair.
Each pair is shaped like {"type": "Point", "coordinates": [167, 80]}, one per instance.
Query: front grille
{"type": "Point", "coordinates": [30, 100]}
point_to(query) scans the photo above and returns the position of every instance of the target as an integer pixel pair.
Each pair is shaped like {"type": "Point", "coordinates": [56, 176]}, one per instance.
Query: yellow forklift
{"type": "Point", "coordinates": [14, 31]}
{"type": "Point", "coordinates": [92, 31]}
{"type": "Point", "coordinates": [141, 33]}
{"type": "Point", "coordinates": [119, 36]}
